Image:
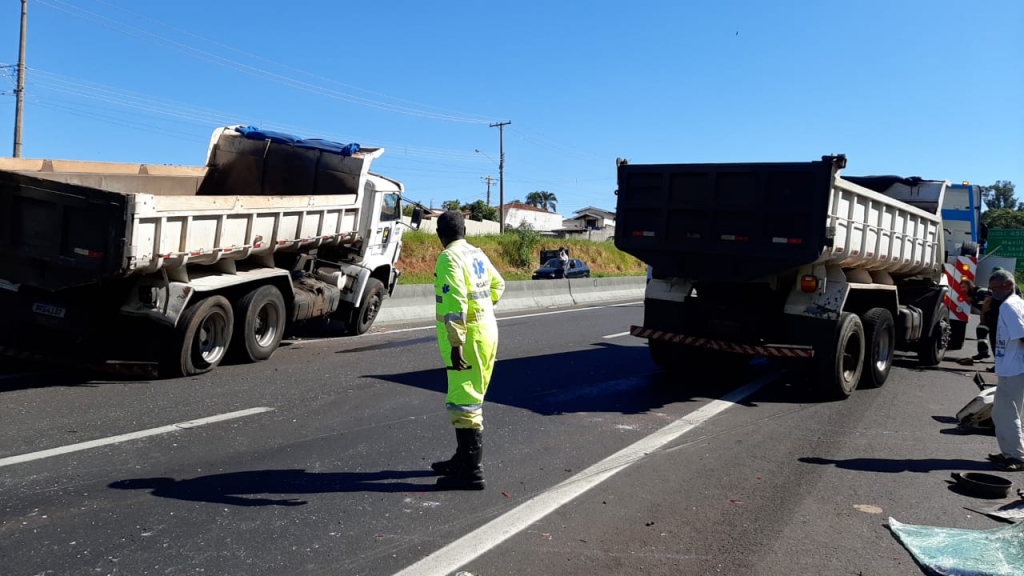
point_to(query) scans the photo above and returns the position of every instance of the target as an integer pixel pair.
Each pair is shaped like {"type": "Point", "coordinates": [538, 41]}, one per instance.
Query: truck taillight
{"type": "Point", "coordinates": [809, 284]}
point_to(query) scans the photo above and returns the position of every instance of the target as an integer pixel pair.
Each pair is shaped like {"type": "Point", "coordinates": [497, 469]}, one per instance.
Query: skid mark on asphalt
{"type": "Point", "coordinates": [471, 546]}
{"type": "Point", "coordinates": [11, 460]}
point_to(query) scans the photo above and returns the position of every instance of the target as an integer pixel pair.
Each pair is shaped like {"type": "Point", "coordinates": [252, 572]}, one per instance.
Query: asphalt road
{"type": "Point", "coordinates": [332, 477]}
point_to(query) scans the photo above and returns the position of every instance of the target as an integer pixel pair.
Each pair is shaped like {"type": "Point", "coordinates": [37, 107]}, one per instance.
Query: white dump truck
{"type": "Point", "coordinates": [190, 265]}
{"type": "Point", "coordinates": [788, 261]}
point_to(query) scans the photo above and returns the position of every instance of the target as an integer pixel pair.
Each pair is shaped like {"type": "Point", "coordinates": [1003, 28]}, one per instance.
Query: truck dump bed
{"type": "Point", "coordinates": [742, 222]}
{"type": "Point", "coordinates": [69, 223]}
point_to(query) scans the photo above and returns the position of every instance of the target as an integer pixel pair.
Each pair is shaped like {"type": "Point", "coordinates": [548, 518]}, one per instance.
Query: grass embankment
{"type": "Point", "coordinates": [516, 255]}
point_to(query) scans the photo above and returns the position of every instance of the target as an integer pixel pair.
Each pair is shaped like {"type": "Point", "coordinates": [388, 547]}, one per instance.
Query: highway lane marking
{"type": "Point", "coordinates": [616, 335]}
{"type": "Point", "coordinates": [476, 543]}
{"type": "Point", "coordinates": [11, 460]}
{"type": "Point", "coordinates": [500, 319]}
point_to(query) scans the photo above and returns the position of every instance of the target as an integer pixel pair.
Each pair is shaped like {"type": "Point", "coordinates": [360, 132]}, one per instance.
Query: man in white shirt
{"type": "Point", "coordinates": [1008, 405]}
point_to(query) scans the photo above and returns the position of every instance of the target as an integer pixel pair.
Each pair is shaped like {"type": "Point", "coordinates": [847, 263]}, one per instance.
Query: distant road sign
{"type": "Point", "coordinates": [1008, 243]}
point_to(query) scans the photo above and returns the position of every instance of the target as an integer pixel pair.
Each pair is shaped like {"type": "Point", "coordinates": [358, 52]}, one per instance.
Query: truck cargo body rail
{"type": "Point", "coordinates": [167, 233]}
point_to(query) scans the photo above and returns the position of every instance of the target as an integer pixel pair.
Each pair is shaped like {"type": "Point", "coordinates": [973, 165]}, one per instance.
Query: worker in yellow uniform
{"type": "Point", "coordinates": [466, 288]}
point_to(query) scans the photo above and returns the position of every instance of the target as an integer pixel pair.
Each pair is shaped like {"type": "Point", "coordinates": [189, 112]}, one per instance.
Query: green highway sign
{"type": "Point", "coordinates": [1007, 242]}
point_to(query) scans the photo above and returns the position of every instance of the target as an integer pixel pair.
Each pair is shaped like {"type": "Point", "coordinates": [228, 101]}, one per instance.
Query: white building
{"type": "Point", "coordinates": [590, 218]}
{"type": "Point", "coordinates": [517, 213]}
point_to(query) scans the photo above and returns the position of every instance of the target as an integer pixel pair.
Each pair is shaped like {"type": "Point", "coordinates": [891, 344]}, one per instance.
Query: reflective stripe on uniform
{"type": "Point", "coordinates": [463, 407]}
{"type": "Point", "coordinates": [462, 317]}
{"type": "Point", "coordinates": [479, 295]}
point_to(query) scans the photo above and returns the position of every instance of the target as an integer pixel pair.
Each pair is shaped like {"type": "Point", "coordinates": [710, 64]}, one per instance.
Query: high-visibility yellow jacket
{"type": "Point", "coordinates": [466, 287]}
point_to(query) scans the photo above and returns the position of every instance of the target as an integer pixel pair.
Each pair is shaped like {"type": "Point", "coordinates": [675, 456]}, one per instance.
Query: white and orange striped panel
{"type": "Point", "coordinates": [772, 350]}
{"type": "Point", "coordinates": [958, 302]}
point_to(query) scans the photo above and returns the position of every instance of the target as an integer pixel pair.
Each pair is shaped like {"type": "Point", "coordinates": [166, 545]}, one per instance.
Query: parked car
{"type": "Point", "coordinates": [553, 269]}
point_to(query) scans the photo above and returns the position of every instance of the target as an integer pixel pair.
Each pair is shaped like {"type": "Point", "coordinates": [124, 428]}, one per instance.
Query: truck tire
{"type": "Point", "coordinates": [260, 319]}
{"type": "Point", "coordinates": [957, 334]}
{"type": "Point", "coordinates": [969, 249]}
{"type": "Point", "coordinates": [932, 348]}
{"type": "Point", "coordinates": [880, 336]}
{"type": "Point", "coordinates": [362, 318]}
{"type": "Point", "coordinates": [840, 367]}
{"type": "Point", "coordinates": [202, 337]}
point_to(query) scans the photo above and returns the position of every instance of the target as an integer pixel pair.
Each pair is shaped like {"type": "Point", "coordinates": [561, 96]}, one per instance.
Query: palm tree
{"type": "Point", "coordinates": [542, 199]}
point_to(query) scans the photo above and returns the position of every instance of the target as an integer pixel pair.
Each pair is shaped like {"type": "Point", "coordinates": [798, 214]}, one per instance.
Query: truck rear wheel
{"type": "Point", "coordinates": [840, 368]}
{"type": "Point", "coordinates": [880, 336]}
{"type": "Point", "coordinates": [260, 322]}
{"type": "Point", "coordinates": [362, 318]}
{"type": "Point", "coordinates": [933, 347]}
{"type": "Point", "coordinates": [201, 338]}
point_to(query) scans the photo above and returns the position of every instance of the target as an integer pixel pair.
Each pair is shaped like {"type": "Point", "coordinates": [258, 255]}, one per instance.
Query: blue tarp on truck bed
{"type": "Point", "coordinates": [253, 133]}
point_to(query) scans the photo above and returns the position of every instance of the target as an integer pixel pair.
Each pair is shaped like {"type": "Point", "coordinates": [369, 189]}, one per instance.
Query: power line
{"type": "Point", "coordinates": [248, 69]}
{"type": "Point", "coordinates": [200, 116]}
{"type": "Point", "coordinates": [282, 65]}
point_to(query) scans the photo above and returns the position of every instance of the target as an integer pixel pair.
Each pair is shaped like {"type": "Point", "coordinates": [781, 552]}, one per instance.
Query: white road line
{"type": "Point", "coordinates": [500, 319]}
{"type": "Point", "coordinates": [473, 545]}
{"type": "Point", "coordinates": [125, 437]}
{"type": "Point", "coordinates": [618, 335]}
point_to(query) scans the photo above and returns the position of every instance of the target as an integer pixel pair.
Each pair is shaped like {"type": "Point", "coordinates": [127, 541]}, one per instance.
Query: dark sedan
{"type": "Point", "coordinates": [554, 269]}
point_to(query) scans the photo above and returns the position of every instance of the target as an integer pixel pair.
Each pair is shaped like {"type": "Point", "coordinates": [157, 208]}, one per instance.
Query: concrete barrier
{"type": "Point", "coordinates": [415, 302]}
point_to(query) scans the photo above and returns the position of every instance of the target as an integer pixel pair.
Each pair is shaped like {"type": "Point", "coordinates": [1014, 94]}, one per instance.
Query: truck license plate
{"type": "Point", "coordinates": [49, 310]}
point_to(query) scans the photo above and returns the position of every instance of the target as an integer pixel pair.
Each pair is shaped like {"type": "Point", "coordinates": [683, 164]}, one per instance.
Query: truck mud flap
{"type": "Point", "coordinates": [769, 350]}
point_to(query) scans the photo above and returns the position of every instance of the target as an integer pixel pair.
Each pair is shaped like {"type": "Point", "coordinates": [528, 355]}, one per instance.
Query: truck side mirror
{"type": "Point", "coordinates": [417, 217]}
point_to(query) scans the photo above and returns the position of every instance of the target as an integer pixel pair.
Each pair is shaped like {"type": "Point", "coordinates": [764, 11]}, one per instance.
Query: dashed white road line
{"type": "Point", "coordinates": [10, 460]}
{"type": "Point", "coordinates": [616, 335]}
{"type": "Point", "coordinates": [473, 545]}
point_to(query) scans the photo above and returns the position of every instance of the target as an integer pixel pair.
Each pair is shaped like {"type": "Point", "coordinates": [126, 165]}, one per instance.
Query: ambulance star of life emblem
{"type": "Point", "coordinates": [446, 289]}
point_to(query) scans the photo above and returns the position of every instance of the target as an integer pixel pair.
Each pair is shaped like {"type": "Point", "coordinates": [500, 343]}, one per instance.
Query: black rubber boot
{"type": "Point", "coordinates": [468, 474]}
{"type": "Point", "coordinates": [451, 466]}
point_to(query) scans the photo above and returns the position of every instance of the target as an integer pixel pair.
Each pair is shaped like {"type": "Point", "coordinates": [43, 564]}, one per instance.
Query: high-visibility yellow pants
{"type": "Point", "coordinates": [467, 388]}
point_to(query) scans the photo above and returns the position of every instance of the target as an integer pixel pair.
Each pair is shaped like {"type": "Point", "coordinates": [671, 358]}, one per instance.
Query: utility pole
{"type": "Point", "coordinates": [19, 106]}
{"type": "Point", "coordinates": [489, 180]}
{"type": "Point", "coordinates": [501, 174]}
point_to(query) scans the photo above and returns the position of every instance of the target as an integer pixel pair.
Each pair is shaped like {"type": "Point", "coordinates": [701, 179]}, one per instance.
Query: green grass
{"type": "Point", "coordinates": [420, 250]}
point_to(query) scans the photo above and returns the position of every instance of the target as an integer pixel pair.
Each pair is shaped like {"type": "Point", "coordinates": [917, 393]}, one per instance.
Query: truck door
{"type": "Point", "coordinates": [390, 213]}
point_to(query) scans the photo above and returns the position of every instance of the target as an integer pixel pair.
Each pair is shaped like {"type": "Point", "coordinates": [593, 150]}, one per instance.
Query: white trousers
{"type": "Point", "coordinates": [1007, 414]}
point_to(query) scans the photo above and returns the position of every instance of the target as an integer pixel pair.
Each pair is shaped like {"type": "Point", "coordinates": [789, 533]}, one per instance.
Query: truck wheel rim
{"type": "Point", "coordinates": [371, 310]}
{"type": "Point", "coordinates": [851, 358]}
{"type": "Point", "coordinates": [882, 354]}
{"type": "Point", "coordinates": [265, 328]}
{"type": "Point", "coordinates": [212, 337]}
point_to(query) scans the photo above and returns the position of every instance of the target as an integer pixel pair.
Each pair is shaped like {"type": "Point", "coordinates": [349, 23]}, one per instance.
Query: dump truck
{"type": "Point", "coordinates": [788, 261]}
{"type": "Point", "coordinates": [188, 265]}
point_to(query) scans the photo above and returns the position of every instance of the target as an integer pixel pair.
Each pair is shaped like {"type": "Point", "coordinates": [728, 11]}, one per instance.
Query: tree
{"type": "Point", "coordinates": [1003, 218]}
{"type": "Point", "coordinates": [542, 199]}
{"type": "Point", "coordinates": [407, 210]}
{"type": "Point", "coordinates": [1000, 196]}
{"type": "Point", "coordinates": [480, 211]}
{"type": "Point", "coordinates": [451, 205]}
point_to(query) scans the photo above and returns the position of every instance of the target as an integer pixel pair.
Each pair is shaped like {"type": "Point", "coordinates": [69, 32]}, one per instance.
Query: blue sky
{"type": "Point", "coordinates": [929, 88]}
